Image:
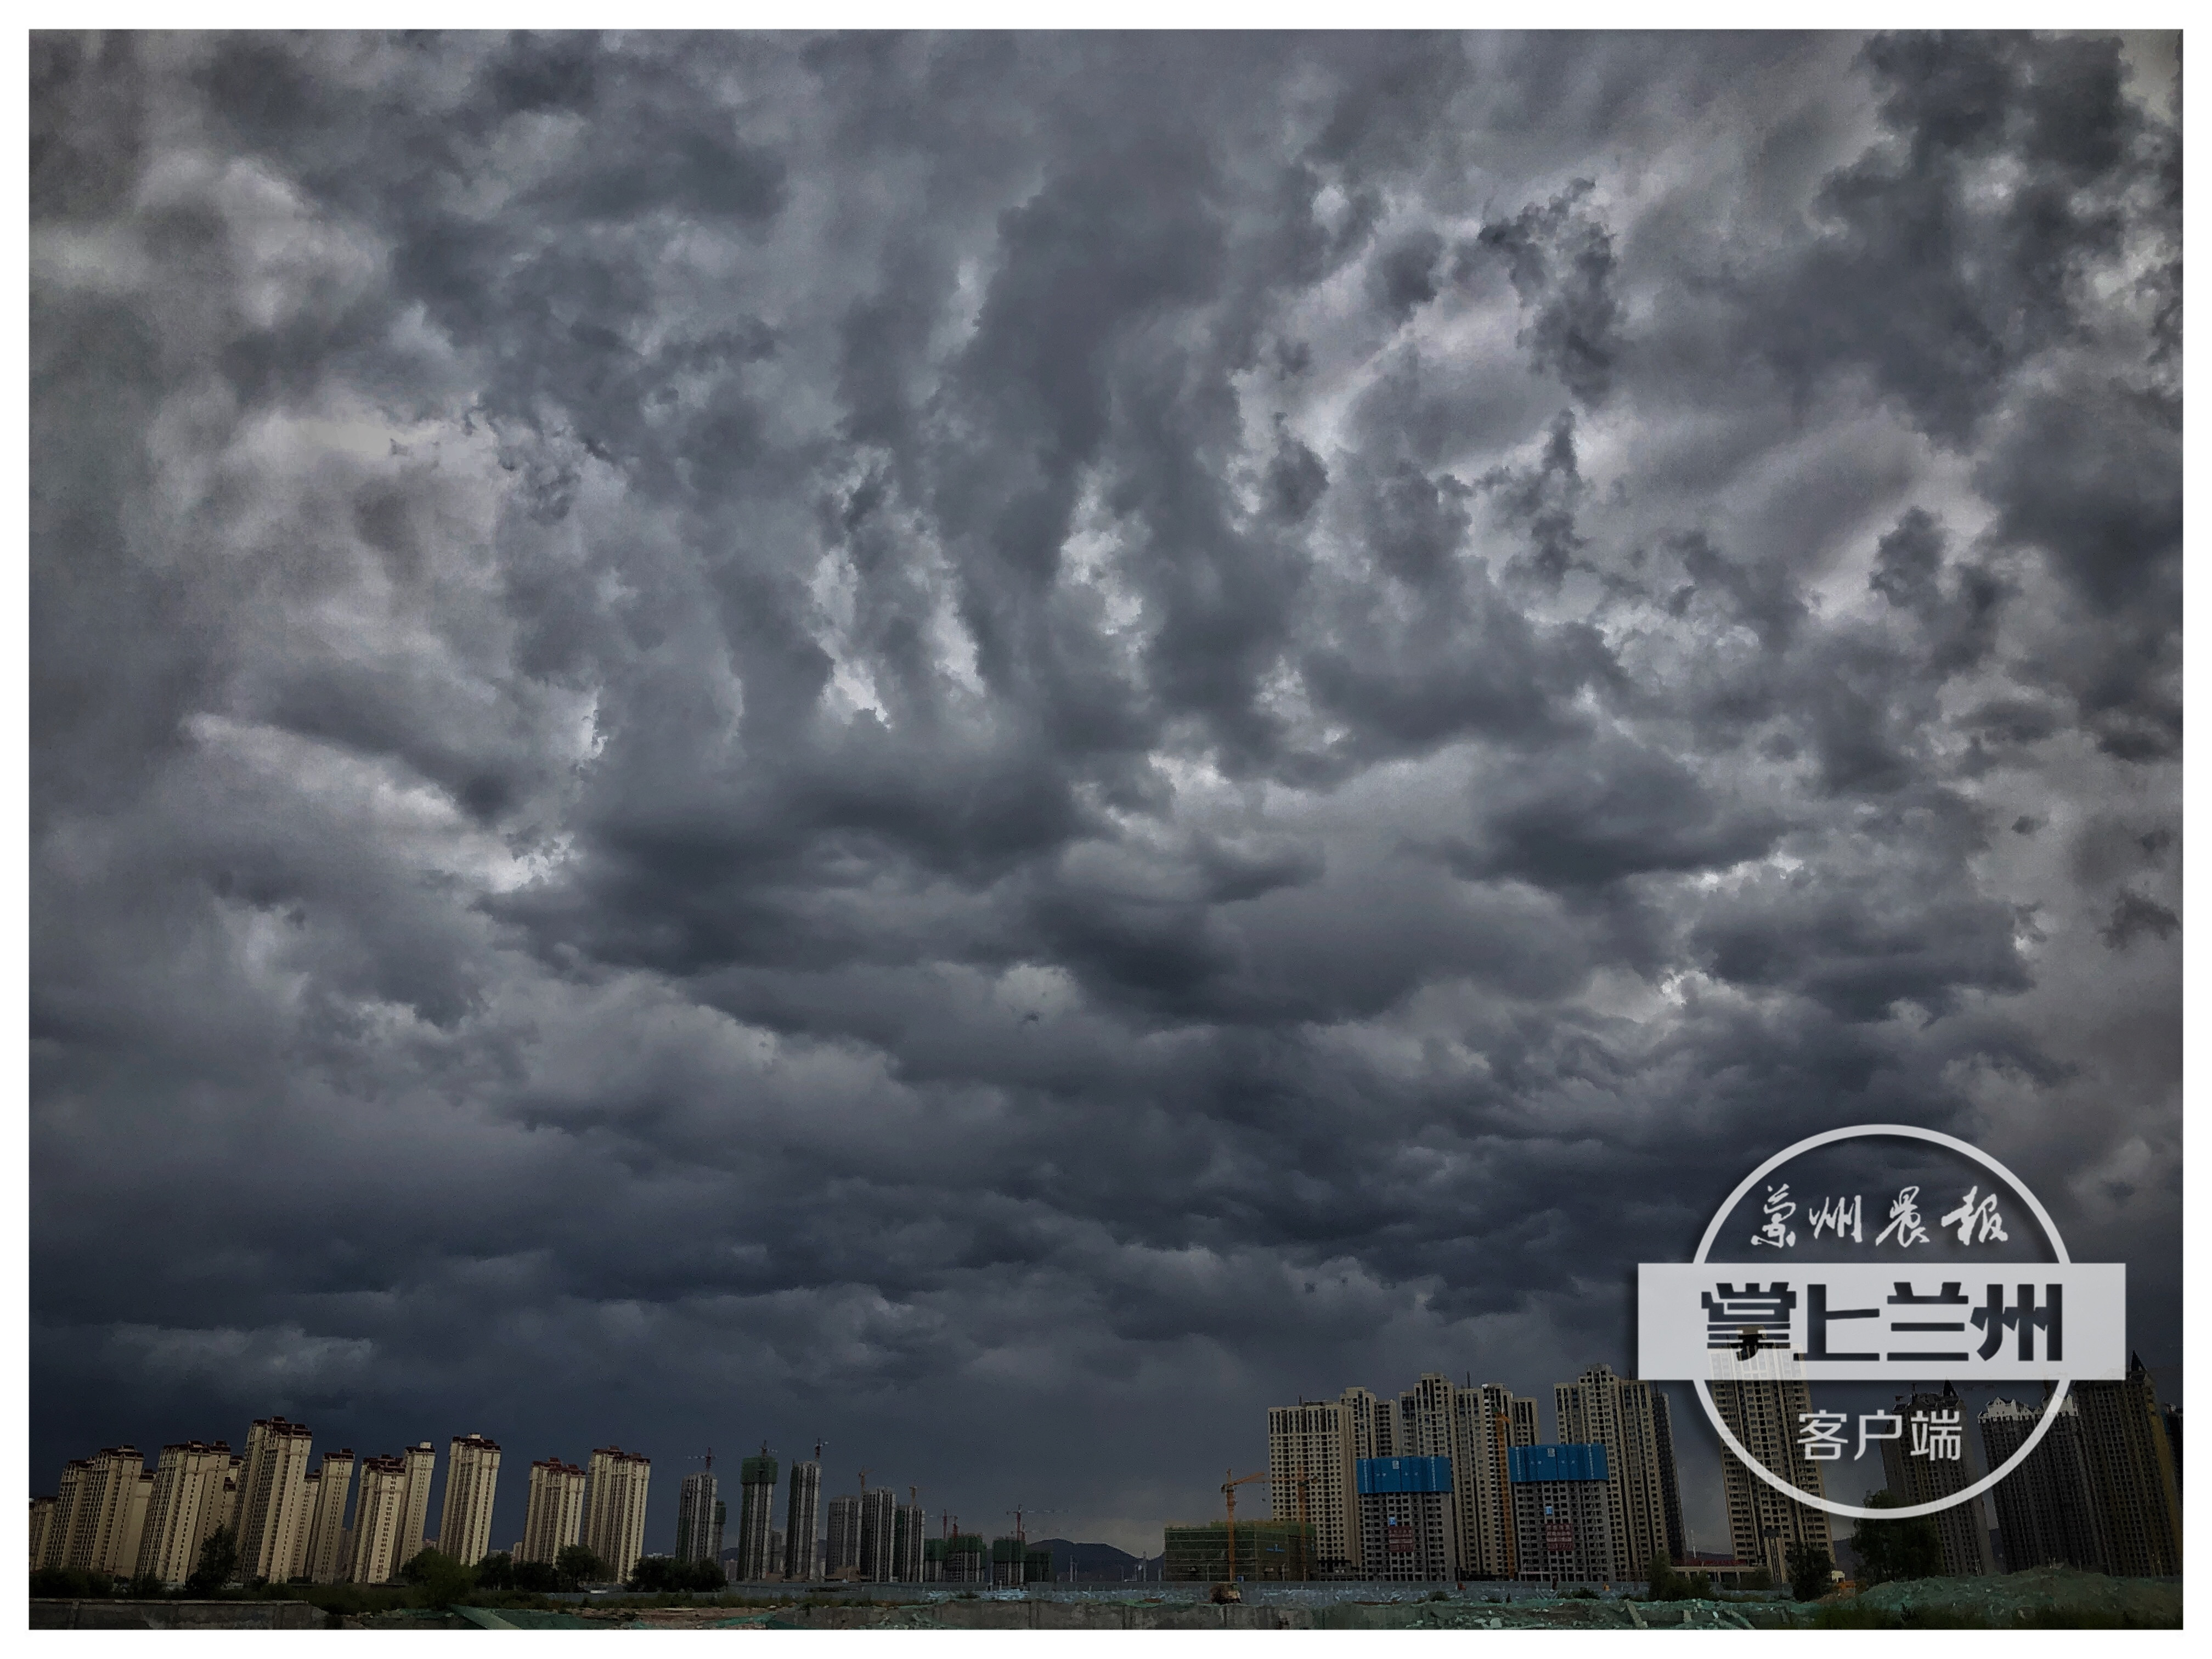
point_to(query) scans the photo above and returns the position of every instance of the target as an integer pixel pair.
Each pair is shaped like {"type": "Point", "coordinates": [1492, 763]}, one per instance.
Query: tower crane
{"type": "Point", "coordinates": [1229, 1491]}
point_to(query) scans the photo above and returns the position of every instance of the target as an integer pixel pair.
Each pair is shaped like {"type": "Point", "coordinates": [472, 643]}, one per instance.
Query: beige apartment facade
{"type": "Point", "coordinates": [273, 1511]}
{"type": "Point", "coordinates": [1309, 1478]}
{"type": "Point", "coordinates": [554, 1517]}
{"type": "Point", "coordinates": [326, 1562]}
{"type": "Point", "coordinates": [1488, 1426]}
{"type": "Point", "coordinates": [378, 1519]}
{"type": "Point", "coordinates": [471, 1479]}
{"type": "Point", "coordinates": [184, 1509]}
{"type": "Point", "coordinates": [57, 1530]}
{"type": "Point", "coordinates": [1599, 1408]}
{"type": "Point", "coordinates": [42, 1525]}
{"type": "Point", "coordinates": [419, 1463]}
{"type": "Point", "coordinates": [614, 1507]}
{"type": "Point", "coordinates": [93, 1517]}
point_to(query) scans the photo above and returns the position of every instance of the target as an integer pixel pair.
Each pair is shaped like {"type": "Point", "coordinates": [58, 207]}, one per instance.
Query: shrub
{"type": "Point", "coordinates": [72, 1582]}
{"type": "Point", "coordinates": [664, 1574]}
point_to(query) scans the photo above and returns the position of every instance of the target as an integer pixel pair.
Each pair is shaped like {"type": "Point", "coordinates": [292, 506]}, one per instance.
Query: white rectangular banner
{"type": "Point", "coordinates": [1862, 1322]}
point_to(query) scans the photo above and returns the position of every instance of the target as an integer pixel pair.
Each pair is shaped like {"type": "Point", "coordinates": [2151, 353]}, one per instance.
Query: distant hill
{"type": "Point", "coordinates": [1095, 1560]}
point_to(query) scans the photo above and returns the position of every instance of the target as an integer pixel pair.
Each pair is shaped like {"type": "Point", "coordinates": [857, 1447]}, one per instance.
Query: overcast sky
{"type": "Point", "coordinates": [999, 748]}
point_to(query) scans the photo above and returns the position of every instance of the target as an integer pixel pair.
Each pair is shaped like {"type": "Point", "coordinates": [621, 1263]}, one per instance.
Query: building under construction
{"type": "Point", "coordinates": [963, 1558]}
{"type": "Point", "coordinates": [1266, 1550]}
{"type": "Point", "coordinates": [1014, 1562]}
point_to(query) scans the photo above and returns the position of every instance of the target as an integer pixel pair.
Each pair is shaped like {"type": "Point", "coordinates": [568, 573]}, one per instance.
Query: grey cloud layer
{"type": "Point", "coordinates": [894, 736]}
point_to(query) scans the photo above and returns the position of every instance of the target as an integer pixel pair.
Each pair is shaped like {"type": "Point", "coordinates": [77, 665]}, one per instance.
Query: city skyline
{"type": "Point", "coordinates": [997, 748]}
{"type": "Point", "coordinates": [2114, 1515]}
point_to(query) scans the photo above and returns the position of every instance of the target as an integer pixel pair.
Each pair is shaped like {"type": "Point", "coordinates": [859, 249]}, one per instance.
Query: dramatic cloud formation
{"type": "Point", "coordinates": [1000, 747]}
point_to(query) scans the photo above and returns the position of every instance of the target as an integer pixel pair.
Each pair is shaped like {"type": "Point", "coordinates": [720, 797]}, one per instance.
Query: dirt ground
{"type": "Point", "coordinates": [2046, 1597]}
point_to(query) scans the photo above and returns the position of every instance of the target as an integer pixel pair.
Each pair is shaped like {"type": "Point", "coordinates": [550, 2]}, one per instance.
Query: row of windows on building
{"type": "Point", "coordinates": [1450, 1482]}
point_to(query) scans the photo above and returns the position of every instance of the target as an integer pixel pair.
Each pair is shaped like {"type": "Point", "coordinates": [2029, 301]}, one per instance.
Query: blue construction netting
{"type": "Point", "coordinates": [1404, 1475]}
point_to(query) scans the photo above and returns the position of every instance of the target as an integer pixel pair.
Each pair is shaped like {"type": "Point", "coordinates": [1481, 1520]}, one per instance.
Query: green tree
{"type": "Point", "coordinates": [538, 1578]}
{"type": "Point", "coordinates": [218, 1563]}
{"type": "Point", "coordinates": [704, 1576]}
{"type": "Point", "coordinates": [443, 1580]}
{"type": "Point", "coordinates": [655, 1573]}
{"type": "Point", "coordinates": [1666, 1584]}
{"type": "Point", "coordinates": [1890, 1550]}
{"type": "Point", "coordinates": [1810, 1566]}
{"type": "Point", "coordinates": [496, 1571]}
{"type": "Point", "coordinates": [577, 1565]}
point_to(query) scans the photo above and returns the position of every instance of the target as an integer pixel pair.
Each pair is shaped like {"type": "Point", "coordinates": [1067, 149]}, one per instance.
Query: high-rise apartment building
{"type": "Point", "coordinates": [878, 1524]}
{"type": "Point", "coordinates": [1915, 1473]}
{"type": "Point", "coordinates": [1562, 1517]}
{"type": "Point", "coordinates": [1599, 1408]}
{"type": "Point", "coordinates": [1670, 1485]}
{"type": "Point", "coordinates": [554, 1517]}
{"type": "Point", "coordinates": [614, 1508]}
{"type": "Point", "coordinates": [802, 1560]}
{"type": "Point", "coordinates": [1486, 1429]}
{"type": "Point", "coordinates": [421, 1463]}
{"type": "Point", "coordinates": [65, 1497]}
{"type": "Point", "coordinates": [695, 1515]}
{"type": "Point", "coordinates": [233, 1491]}
{"type": "Point", "coordinates": [756, 1478]}
{"type": "Point", "coordinates": [107, 1496]}
{"type": "Point", "coordinates": [2132, 1473]}
{"type": "Point", "coordinates": [471, 1481]}
{"type": "Point", "coordinates": [841, 1546]}
{"type": "Point", "coordinates": [1309, 1478]}
{"type": "Point", "coordinates": [1369, 1425]}
{"type": "Point", "coordinates": [2046, 1509]}
{"type": "Point", "coordinates": [379, 1517]}
{"type": "Point", "coordinates": [184, 1509]}
{"type": "Point", "coordinates": [272, 1511]}
{"type": "Point", "coordinates": [42, 1521]}
{"type": "Point", "coordinates": [108, 1515]}
{"type": "Point", "coordinates": [134, 1530]}
{"type": "Point", "coordinates": [1763, 1413]}
{"type": "Point", "coordinates": [311, 1485]}
{"type": "Point", "coordinates": [323, 1562]}
{"type": "Point", "coordinates": [1425, 1419]}
{"type": "Point", "coordinates": [907, 1529]}
{"type": "Point", "coordinates": [1406, 1517]}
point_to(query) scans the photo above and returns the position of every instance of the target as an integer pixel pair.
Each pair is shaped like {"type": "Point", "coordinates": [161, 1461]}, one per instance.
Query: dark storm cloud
{"type": "Point", "coordinates": [923, 739]}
